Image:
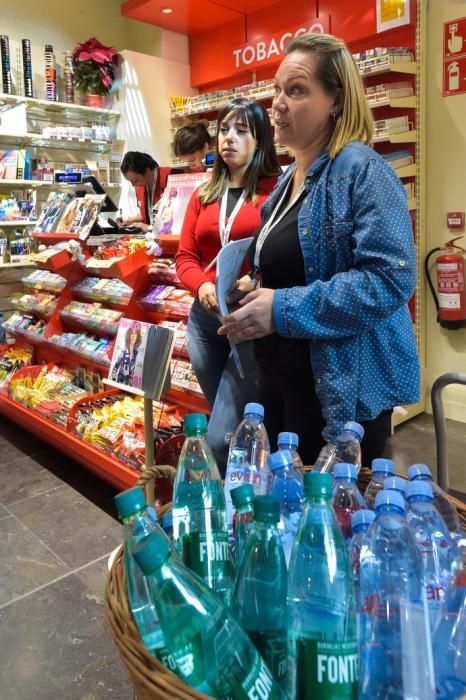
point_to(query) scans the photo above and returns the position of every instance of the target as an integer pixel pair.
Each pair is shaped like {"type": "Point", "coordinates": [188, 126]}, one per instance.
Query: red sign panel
{"type": "Point", "coordinates": [266, 49]}
{"type": "Point", "coordinates": [454, 57]}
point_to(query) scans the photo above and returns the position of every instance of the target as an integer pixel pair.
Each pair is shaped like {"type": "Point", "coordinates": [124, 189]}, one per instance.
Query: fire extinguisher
{"type": "Point", "coordinates": [450, 297]}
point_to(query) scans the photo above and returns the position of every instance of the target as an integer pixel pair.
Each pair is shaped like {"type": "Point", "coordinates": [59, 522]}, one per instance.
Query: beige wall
{"type": "Point", "coordinates": [446, 191]}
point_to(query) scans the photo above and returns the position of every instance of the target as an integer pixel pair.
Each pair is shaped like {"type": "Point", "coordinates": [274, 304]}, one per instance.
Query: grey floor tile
{"type": "Point", "coordinates": [56, 646]}
{"type": "Point", "coordinates": [72, 526]}
{"type": "Point", "coordinates": [24, 478]}
{"type": "Point", "coordinates": [3, 512]}
{"type": "Point", "coordinates": [95, 578]}
{"type": "Point", "coordinates": [25, 563]}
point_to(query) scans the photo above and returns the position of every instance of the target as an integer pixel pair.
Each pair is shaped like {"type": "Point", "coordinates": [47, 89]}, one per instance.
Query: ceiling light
{"type": "Point", "coordinates": [167, 10]}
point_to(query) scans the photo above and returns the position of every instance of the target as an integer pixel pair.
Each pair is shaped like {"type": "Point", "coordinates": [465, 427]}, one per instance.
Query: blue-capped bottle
{"type": "Point", "coordinates": [346, 448]}
{"type": "Point", "coordinates": [288, 489]}
{"type": "Point", "coordinates": [446, 509]}
{"type": "Point", "coordinates": [247, 458]}
{"type": "Point", "coordinates": [259, 595]}
{"type": "Point", "coordinates": [346, 497]}
{"type": "Point", "coordinates": [322, 627]}
{"type": "Point", "coordinates": [243, 518]}
{"type": "Point", "coordinates": [396, 483]}
{"type": "Point", "coordinates": [137, 523]}
{"type": "Point", "coordinates": [395, 642]}
{"type": "Point", "coordinates": [210, 650]}
{"type": "Point", "coordinates": [199, 519]}
{"type": "Point", "coordinates": [361, 520]}
{"type": "Point", "coordinates": [449, 642]}
{"type": "Point", "coordinates": [290, 441]}
{"type": "Point", "coordinates": [433, 542]}
{"type": "Point", "coordinates": [381, 470]}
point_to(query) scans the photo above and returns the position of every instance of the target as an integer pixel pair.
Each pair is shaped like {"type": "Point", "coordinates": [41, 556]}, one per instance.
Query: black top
{"type": "Point", "coordinates": [281, 266]}
{"type": "Point", "coordinates": [234, 193]}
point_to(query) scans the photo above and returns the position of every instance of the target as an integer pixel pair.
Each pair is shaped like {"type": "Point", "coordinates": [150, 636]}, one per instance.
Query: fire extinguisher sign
{"type": "Point", "coordinates": [454, 57]}
{"type": "Point", "coordinates": [450, 284]}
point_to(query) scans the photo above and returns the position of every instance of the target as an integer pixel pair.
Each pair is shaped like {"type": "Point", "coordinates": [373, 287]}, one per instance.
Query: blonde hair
{"type": "Point", "coordinates": [338, 73]}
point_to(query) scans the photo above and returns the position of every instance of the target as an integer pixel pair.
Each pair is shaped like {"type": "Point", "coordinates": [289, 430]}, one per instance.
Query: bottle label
{"type": "Point", "coordinates": [258, 684]}
{"type": "Point", "coordinates": [327, 670]}
{"type": "Point", "coordinates": [272, 646]}
{"type": "Point", "coordinates": [207, 554]}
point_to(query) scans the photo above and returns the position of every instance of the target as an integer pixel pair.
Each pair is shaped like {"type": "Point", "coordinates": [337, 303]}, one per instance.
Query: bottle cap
{"type": "Point", "coordinates": [151, 552]}
{"type": "Point", "coordinates": [383, 466]}
{"type": "Point", "coordinates": [395, 483]}
{"type": "Point", "coordinates": [390, 498]}
{"type": "Point", "coordinates": [193, 423]}
{"type": "Point", "coordinates": [288, 439]}
{"type": "Point", "coordinates": [364, 516]}
{"type": "Point", "coordinates": [317, 484]}
{"type": "Point", "coordinates": [242, 495]}
{"type": "Point", "coordinates": [345, 471]}
{"type": "Point", "coordinates": [279, 460]}
{"type": "Point", "coordinates": [266, 509]}
{"type": "Point", "coordinates": [419, 470]}
{"type": "Point", "coordinates": [167, 520]}
{"type": "Point", "coordinates": [418, 487]}
{"type": "Point", "coordinates": [254, 409]}
{"type": "Point", "coordinates": [355, 428]}
{"type": "Point", "coordinates": [130, 502]}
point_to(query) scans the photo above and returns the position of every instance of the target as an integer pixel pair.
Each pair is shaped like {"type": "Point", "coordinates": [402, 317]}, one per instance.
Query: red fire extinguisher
{"type": "Point", "coordinates": [450, 297]}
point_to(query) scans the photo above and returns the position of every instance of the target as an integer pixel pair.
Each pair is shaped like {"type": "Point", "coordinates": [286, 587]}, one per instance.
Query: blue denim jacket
{"type": "Point", "coordinates": [360, 264]}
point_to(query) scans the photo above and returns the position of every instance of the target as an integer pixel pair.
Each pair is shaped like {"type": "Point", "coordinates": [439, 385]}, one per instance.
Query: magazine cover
{"type": "Point", "coordinates": [175, 198]}
{"type": "Point", "coordinates": [127, 363]}
{"type": "Point", "coordinates": [55, 206]}
{"type": "Point", "coordinates": [81, 215]}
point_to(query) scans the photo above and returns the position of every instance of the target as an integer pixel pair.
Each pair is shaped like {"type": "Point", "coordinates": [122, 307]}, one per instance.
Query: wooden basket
{"type": "Point", "coordinates": [151, 679]}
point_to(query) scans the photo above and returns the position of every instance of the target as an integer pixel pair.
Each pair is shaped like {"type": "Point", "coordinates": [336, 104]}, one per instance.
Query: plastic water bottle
{"type": "Point", "coordinates": [247, 458]}
{"type": "Point", "coordinates": [137, 523]}
{"type": "Point", "coordinates": [433, 542]}
{"type": "Point", "coordinates": [441, 502]}
{"type": "Point", "coordinates": [199, 520]}
{"type": "Point", "coordinates": [243, 518]}
{"type": "Point", "coordinates": [290, 441]}
{"type": "Point", "coordinates": [361, 520]}
{"type": "Point", "coordinates": [449, 642]}
{"type": "Point", "coordinates": [211, 651]}
{"type": "Point", "coordinates": [345, 448]}
{"type": "Point", "coordinates": [167, 524]}
{"type": "Point", "coordinates": [288, 489]}
{"type": "Point", "coordinates": [322, 629]}
{"type": "Point", "coordinates": [396, 483]}
{"type": "Point", "coordinates": [395, 642]}
{"type": "Point", "coordinates": [381, 470]}
{"type": "Point", "coordinates": [259, 595]}
{"type": "Point", "coordinates": [346, 496]}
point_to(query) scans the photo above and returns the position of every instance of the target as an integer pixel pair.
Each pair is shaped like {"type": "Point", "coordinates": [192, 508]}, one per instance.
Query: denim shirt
{"type": "Point", "coordinates": [360, 264]}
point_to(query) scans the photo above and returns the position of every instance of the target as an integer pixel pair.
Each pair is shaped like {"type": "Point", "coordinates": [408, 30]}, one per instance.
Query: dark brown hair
{"type": "Point", "coordinates": [264, 162]}
{"type": "Point", "coordinates": [191, 138]}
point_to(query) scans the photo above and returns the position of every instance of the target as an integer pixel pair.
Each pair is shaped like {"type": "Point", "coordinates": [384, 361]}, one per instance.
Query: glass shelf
{"type": "Point", "coordinates": [39, 141]}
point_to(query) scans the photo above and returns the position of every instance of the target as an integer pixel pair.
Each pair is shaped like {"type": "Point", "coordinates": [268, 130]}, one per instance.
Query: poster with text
{"type": "Point", "coordinates": [392, 14]}
{"type": "Point", "coordinates": [175, 199]}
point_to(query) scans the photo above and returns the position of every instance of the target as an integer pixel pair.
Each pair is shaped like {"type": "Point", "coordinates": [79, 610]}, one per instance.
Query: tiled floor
{"type": "Point", "coordinates": [57, 529]}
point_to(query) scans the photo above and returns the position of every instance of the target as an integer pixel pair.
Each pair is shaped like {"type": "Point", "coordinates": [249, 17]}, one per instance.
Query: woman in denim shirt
{"type": "Point", "coordinates": [333, 264]}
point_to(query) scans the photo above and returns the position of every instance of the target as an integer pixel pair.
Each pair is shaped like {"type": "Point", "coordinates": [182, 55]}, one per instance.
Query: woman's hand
{"type": "Point", "coordinates": [242, 287]}
{"type": "Point", "coordinates": [208, 298]}
{"type": "Point", "coordinates": [253, 320]}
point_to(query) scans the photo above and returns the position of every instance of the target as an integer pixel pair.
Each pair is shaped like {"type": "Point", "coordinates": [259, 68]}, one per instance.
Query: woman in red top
{"type": "Point", "coordinates": [226, 208]}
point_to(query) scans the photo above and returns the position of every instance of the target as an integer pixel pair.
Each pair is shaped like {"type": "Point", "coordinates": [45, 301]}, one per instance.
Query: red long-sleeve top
{"type": "Point", "coordinates": [200, 235]}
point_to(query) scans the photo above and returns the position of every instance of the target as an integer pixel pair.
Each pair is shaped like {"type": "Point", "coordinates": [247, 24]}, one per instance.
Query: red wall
{"type": "Point", "coordinates": [211, 53]}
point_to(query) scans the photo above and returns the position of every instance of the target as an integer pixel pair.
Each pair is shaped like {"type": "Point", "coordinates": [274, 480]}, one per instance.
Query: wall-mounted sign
{"type": "Point", "coordinates": [454, 57]}
{"type": "Point", "coordinates": [391, 14]}
{"type": "Point", "coordinates": [269, 49]}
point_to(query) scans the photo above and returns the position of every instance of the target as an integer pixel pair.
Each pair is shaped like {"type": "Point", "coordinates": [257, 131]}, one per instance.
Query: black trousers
{"type": "Point", "coordinates": [291, 404]}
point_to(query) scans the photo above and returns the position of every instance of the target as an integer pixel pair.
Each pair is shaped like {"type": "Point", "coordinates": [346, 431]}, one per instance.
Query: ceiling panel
{"type": "Point", "coordinates": [191, 16]}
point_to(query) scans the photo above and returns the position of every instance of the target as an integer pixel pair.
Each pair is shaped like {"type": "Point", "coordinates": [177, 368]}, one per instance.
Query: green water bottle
{"type": "Point", "coordinates": [243, 518]}
{"type": "Point", "coordinates": [259, 594]}
{"type": "Point", "coordinates": [199, 517]}
{"type": "Point", "coordinates": [211, 651]}
{"type": "Point", "coordinates": [138, 523]}
{"type": "Point", "coordinates": [322, 627]}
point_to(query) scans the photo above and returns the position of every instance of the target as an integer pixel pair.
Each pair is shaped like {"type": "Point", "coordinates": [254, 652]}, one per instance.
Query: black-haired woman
{"type": "Point", "coordinates": [191, 144]}
{"type": "Point", "coordinates": [225, 208]}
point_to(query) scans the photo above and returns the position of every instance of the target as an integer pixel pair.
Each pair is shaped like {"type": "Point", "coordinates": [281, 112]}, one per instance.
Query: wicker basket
{"type": "Point", "coordinates": [151, 679]}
